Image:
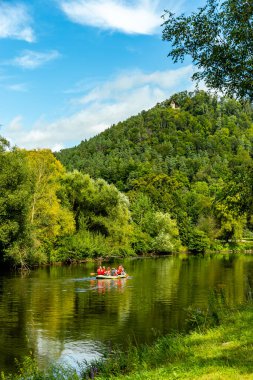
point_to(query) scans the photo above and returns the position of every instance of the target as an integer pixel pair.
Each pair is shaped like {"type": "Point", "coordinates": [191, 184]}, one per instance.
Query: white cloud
{"type": "Point", "coordinates": [108, 103]}
{"type": "Point", "coordinates": [17, 87]}
{"type": "Point", "coordinates": [32, 59]}
{"type": "Point", "coordinates": [15, 22]}
{"type": "Point", "coordinates": [16, 124]}
{"type": "Point", "coordinates": [134, 81]}
{"type": "Point", "coordinates": [131, 17]}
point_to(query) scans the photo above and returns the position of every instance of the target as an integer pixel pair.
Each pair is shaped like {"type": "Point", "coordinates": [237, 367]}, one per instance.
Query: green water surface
{"type": "Point", "coordinates": [63, 314]}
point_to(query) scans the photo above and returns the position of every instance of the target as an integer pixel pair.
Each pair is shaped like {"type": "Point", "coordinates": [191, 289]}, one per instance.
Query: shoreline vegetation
{"type": "Point", "coordinates": [166, 180]}
{"type": "Point", "coordinates": [235, 250]}
{"type": "Point", "coordinates": [218, 345]}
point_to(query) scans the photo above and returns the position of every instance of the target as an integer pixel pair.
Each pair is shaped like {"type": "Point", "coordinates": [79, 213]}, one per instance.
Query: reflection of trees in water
{"type": "Point", "coordinates": [249, 281]}
{"type": "Point", "coordinates": [13, 319]}
{"type": "Point", "coordinates": [221, 273]}
{"type": "Point", "coordinates": [44, 310]}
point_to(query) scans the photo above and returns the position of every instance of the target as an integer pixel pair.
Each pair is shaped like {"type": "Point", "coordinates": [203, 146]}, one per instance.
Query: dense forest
{"type": "Point", "coordinates": [178, 176]}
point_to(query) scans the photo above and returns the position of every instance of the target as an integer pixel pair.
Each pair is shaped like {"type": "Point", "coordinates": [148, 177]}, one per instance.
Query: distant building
{"type": "Point", "coordinates": [174, 105]}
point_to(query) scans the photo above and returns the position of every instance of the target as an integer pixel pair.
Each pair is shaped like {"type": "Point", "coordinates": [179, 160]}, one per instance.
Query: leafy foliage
{"type": "Point", "coordinates": [48, 219]}
{"type": "Point", "coordinates": [219, 39]}
{"type": "Point", "coordinates": [193, 163]}
{"type": "Point", "coordinates": [101, 215]}
{"type": "Point", "coordinates": [15, 194]}
{"type": "Point", "coordinates": [163, 180]}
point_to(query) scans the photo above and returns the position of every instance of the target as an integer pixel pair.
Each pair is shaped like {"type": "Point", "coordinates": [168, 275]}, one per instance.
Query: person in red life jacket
{"type": "Point", "coordinates": [103, 271]}
{"type": "Point", "coordinates": [99, 270]}
{"type": "Point", "coordinates": [120, 270]}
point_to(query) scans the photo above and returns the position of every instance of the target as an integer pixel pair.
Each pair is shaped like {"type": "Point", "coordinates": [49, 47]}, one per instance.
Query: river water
{"type": "Point", "coordinates": [63, 314]}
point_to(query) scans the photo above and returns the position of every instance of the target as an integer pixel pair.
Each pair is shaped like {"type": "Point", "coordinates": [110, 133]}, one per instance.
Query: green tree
{"type": "Point", "coordinates": [49, 219]}
{"type": "Point", "coordinates": [197, 241]}
{"type": "Point", "coordinates": [15, 195]}
{"type": "Point", "coordinates": [155, 231]}
{"type": "Point", "coordinates": [193, 163]}
{"type": "Point", "coordinates": [166, 234]}
{"type": "Point", "coordinates": [219, 39]}
{"type": "Point", "coordinates": [101, 214]}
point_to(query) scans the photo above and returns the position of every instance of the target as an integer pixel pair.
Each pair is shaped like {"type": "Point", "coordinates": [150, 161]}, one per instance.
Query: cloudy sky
{"type": "Point", "coordinates": [71, 68]}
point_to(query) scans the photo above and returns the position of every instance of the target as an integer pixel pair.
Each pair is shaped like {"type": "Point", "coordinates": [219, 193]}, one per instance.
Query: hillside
{"type": "Point", "coordinates": [193, 161]}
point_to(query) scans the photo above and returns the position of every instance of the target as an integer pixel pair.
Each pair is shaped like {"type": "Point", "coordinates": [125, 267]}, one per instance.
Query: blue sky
{"type": "Point", "coordinates": [71, 68]}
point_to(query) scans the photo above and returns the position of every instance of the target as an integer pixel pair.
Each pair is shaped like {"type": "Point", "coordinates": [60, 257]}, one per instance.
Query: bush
{"type": "Point", "coordinates": [198, 241]}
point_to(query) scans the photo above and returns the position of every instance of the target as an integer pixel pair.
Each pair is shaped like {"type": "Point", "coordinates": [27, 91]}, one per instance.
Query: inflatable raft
{"type": "Point", "coordinates": [103, 276]}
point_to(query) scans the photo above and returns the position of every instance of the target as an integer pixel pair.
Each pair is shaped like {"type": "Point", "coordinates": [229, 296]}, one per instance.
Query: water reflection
{"type": "Point", "coordinates": [106, 285]}
{"type": "Point", "coordinates": [74, 353]}
{"type": "Point", "coordinates": [61, 313]}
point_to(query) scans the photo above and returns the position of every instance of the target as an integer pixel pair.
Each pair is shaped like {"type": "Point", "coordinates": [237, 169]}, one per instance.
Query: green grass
{"type": "Point", "coordinates": [217, 353]}
{"type": "Point", "coordinates": [222, 352]}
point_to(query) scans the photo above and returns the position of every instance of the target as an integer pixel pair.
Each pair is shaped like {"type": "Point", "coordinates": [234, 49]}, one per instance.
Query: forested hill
{"type": "Point", "coordinates": [203, 139]}
{"type": "Point", "coordinates": [165, 180]}
{"type": "Point", "coordinates": [193, 161]}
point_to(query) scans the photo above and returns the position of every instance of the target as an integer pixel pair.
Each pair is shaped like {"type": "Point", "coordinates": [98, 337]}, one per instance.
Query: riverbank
{"type": "Point", "coordinates": [221, 352]}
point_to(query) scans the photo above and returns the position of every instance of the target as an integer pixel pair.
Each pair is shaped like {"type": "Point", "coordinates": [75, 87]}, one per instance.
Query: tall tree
{"type": "Point", "coordinates": [15, 195]}
{"type": "Point", "coordinates": [49, 219]}
{"type": "Point", "coordinates": [219, 39]}
{"type": "Point", "coordinates": [100, 210]}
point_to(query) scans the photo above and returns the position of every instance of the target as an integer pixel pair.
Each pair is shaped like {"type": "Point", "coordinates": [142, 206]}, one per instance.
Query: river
{"type": "Point", "coordinates": [63, 314]}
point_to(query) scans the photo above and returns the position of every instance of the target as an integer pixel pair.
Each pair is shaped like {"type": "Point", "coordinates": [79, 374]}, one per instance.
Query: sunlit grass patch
{"type": "Point", "coordinates": [222, 352]}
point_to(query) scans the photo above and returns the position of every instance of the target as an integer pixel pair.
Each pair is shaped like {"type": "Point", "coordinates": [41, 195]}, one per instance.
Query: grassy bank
{"type": "Point", "coordinates": [221, 352]}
